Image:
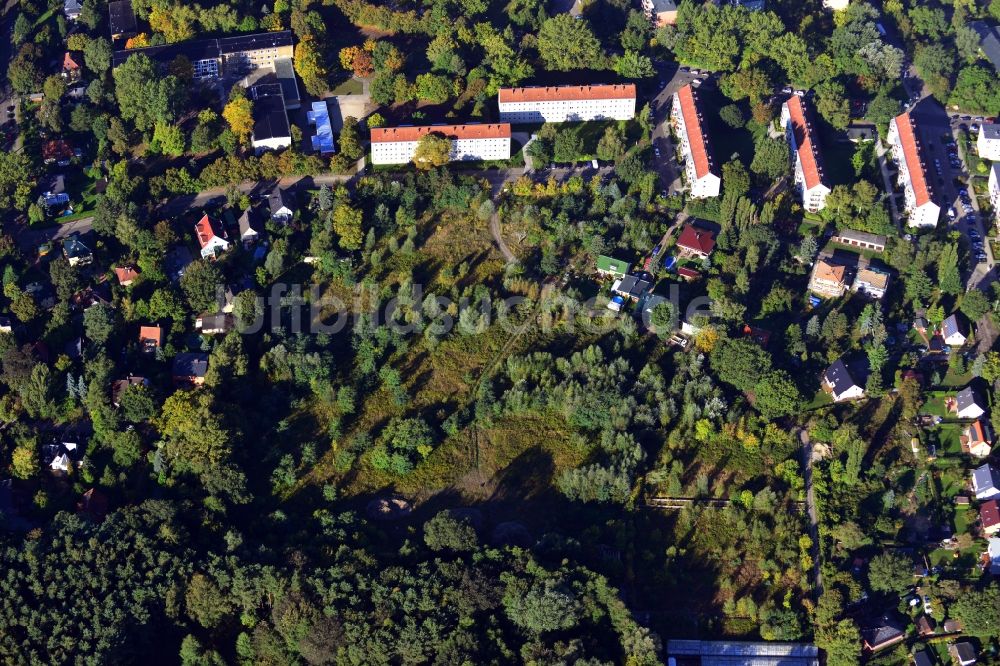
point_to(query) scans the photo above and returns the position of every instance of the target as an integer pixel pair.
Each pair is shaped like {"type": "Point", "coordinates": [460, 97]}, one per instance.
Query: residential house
{"type": "Point", "coordinates": [211, 237]}
{"type": "Point", "coordinates": [837, 5]}
{"type": "Point", "coordinates": [806, 157]}
{"type": "Point", "coordinates": [319, 117]}
{"type": "Point", "coordinates": [689, 274]}
{"type": "Point", "coordinates": [871, 283]}
{"type": "Point", "coordinates": [925, 623]}
{"type": "Point", "coordinates": [632, 287]}
{"type": "Point", "coordinates": [62, 457]}
{"type": "Point", "coordinates": [695, 242]}
{"type": "Point", "coordinates": [250, 227]}
{"type": "Point", "coordinates": [126, 275]}
{"type": "Point", "coordinates": [609, 266]}
{"type": "Point", "coordinates": [989, 41]}
{"type": "Point", "coordinates": [968, 405]}
{"type": "Point", "coordinates": [150, 338]}
{"type": "Point", "coordinates": [234, 56]}
{"type": "Point", "coordinates": [119, 386]}
{"type": "Point", "coordinates": [660, 12]}
{"type": "Point", "coordinates": [882, 633]}
{"type": "Point", "coordinates": [828, 280]}
{"type": "Point", "coordinates": [921, 657]}
{"type": "Point", "coordinates": [861, 239]}
{"type": "Point", "coordinates": [281, 204]}
{"type": "Point", "coordinates": [54, 191]}
{"type": "Point", "coordinates": [952, 626]}
{"type": "Point", "coordinates": [993, 555]}
{"type": "Point", "coordinates": [701, 172]}
{"type": "Point", "coordinates": [71, 65]}
{"type": "Point", "coordinates": [986, 482]}
{"type": "Point", "coordinates": [557, 104]}
{"type": "Point", "coordinates": [121, 19]}
{"type": "Point", "coordinates": [977, 440]}
{"type": "Point", "coordinates": [6, 325]}
{"type": "Point", "coordinates": [189, 368]}
{"type": "Point", "coordinates": [914, 178]}
{"type": "Point", "coordinates": [953, 331]}
{"type": "Point", "coordinates": [989, 517]}
{"type": "Point", "coordinates": [962, 653]}
{"type": "Point", "coordinates": [72, 9]}
{"type": "Point", "coordinates": [76, 253]}
{"type": "Point", "coordinates": [93, 505]}
{"type": "Point", "coordinates": [843, 382]}
{"type": "Point", "coordinates": [988, 142]}
{"type": "Point", "coordinates": [471, 141]}
{"type": "Point", "coordinates": [58, 151]}
{"type": "Point", "coordinates": [218, 323]}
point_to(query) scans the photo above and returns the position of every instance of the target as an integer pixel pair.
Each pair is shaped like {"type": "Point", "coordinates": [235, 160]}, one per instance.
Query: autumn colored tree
{"type": "Point", "coordinates": [239, 114]}
{"type": "Point", "coordinates": [433, 150]}
{"type": "Point", "coordinates": [309, 66]}
{"type": "Point", "coordinates": [357, 60]}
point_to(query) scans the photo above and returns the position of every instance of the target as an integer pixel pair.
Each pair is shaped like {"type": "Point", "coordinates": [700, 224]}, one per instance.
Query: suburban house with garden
{"type": "Point", "coordinates": [977, 439]}
{"type": "Point", "coordinates": [968, 405]}
{"type": "Point", "coordinates": [211, 237]}
{"type": "Point", "coordinates": [803, 144]}
{"type": "Point", "coordinates": [660, 12]}
{"type": "Point", "coordinates": [190, 368]}
{"type": "Point", "coordinates": [843, 383]}
{"type": "Point", "coordinates": [871, 282]}
{"type": "Point", "coordinates": [695, 242]}
{"type": "Point", "coordinates": [611, 267]}
{"type": "Point", "coordinates": [828, 280]}
{"type": "Point", "coordinates": [150, 338]}
{"type": "Point", "coordinates": [558, 104]}
{"type": "Point", "coordinates": [700, 170]}
{"type": "Point", "coordinates": [914, 180]}
{"type": "Point", "coordinates": [986, 482]}
{"type": "Point", "coordinates": [473, 141]}
{"type": "Point", "coordinates": [989, 517]}
{"type": "Point", "coordinates": [953, 331]}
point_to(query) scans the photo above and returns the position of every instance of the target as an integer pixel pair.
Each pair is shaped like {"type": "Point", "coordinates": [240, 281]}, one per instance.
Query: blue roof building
{"type": "Point", "coordinates": [322, 141]}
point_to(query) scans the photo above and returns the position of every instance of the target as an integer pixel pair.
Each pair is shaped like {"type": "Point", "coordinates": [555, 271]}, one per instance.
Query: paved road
{"type": "Point", "coordinates": [807, 475]}
{"type": "Point", "coordinates": [672, 78]}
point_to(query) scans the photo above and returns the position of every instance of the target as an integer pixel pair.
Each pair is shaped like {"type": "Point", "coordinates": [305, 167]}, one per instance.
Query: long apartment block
{"type": "Point", "coordinates": [212, 58]}
{"type": "Point", "coordinates": [703, 179]}
{"type": "Point", "coordinates": [558, 104]}
{"type": "Point", "coordinates": [800, 131]}
{"type": "Point", "coordinates": [473, 141]}
{"type": "Point", "coordinates": [908, 152]}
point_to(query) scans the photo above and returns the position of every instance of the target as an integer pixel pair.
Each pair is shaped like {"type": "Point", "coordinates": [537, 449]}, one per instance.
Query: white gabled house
{"type": "Point", "coordinates": [211, 237]}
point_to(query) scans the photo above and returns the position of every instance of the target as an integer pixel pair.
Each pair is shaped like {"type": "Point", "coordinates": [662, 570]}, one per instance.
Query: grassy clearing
{"type": "Point", "coordinates": [348, 87]}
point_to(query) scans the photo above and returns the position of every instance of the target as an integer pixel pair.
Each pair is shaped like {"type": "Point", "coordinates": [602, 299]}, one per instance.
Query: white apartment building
{"type": "Point", "coordinates": [803, 145]}
{"type": "Point", "coordinates": [907, 151]}
{"type": "Point", "coordinates": [396, 145]}
{"type": "Point", "coordinates": [703, 179]}
{"type": "Point", "coordinates": [558, 104]}
{"type": "Point", "coordinates": [988, 143]}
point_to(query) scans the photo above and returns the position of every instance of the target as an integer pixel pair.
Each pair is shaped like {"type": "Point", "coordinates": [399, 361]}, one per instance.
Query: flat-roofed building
{"type": "Point", "coordinates": [557, 104]}
{"type": "Point", "coordinates": [807, 162]}
{"type": "Point", "coordinates": [473, 141]}
{"type": "Point", "coordinates": [271, 130]}
{"type": "Point", "coordinates": [861, 239]}
{"type": "Point", "coordinates": [702, 174]}
{"type": "Point", "coordinates": [740, 653]}
{"type": "Point", "coordinates": [319, 117]}
{"type": "Point", "coordinates": [211, 58]}
{"type": "Point", "coordinates": [908, 152]}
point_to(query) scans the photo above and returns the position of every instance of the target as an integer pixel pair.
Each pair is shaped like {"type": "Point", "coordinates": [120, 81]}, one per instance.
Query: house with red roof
{"type": "Point", "coordinates": [800, 131]}
{"type": "Point", "coordinates": [472, 141]}
{"type": "Point", "coordinates": [71, 66]}
{"type": "Point", "coordinates": [150, 338]}
{"type": "Point", "coordinates": [211, 237]}
{"type": "Point", "coordinates": [57, 150]}
{"type": "Point", "coordinates": [695, 242]}
{"type": "Point", "coordinates": [914, 177]}
{"type": "Point", "coordinates": [558, 104]}
{"type": "Point", "coordinates": [126, 275]}
{"type": "Point", "coordinates": [702, 174]}
{"type": "Point", "coordinates": [977, 440]}
{"type": "Point", "coordinates": [989, 516]}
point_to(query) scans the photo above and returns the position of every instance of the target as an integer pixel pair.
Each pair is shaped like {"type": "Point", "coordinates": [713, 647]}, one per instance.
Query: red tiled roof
{"type": "Point", "coordinates": [698, 240]}
{"type": "Point", "coordinates": [566, 93]}
{"type": "Point", "coordinates": [54, 149]}
{"type": "Point", "coordinates": [805, 139]}
{"type": "Point", "coordinates": [907, 129]}
{"type": "Point", "coordinates": [696, 134]}
{"type": "Point", "coordinates": [471, 131]}
{"type": "Point", "coordinates": [69, 64]}
{"type": "Point", "coordinates": [989, 513]}
{"type": "Point", "coordinates": [978, 434]}
{"type": "Point", "coordinates": [126, 274]}
{"type": "Point", "coordinates": [685, 272]}
{"type": "Point", "coordinates": [206, 230]}
{"type": "Point", "coordinates": [151, 333]}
